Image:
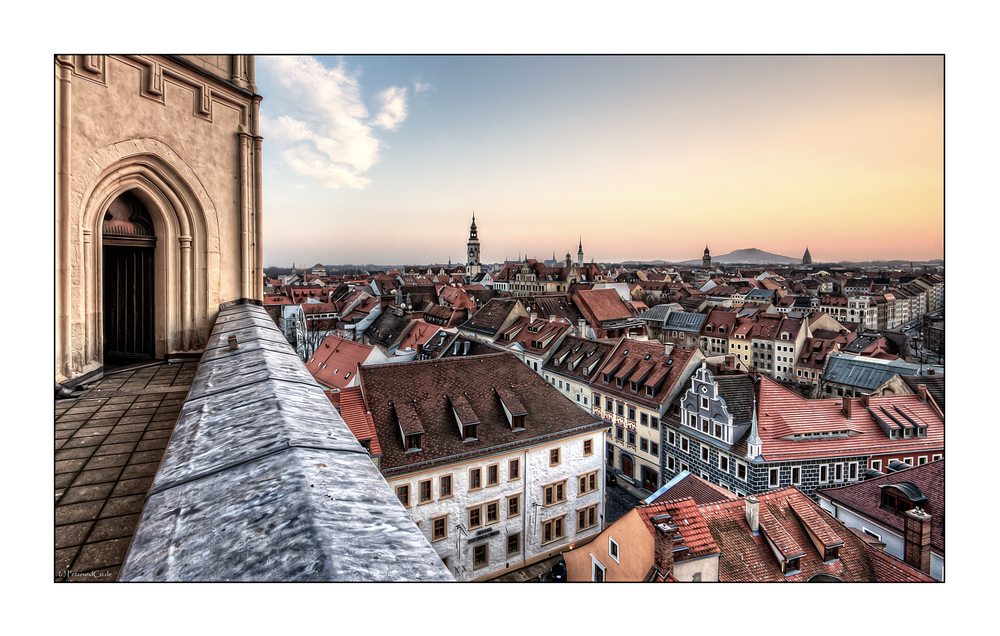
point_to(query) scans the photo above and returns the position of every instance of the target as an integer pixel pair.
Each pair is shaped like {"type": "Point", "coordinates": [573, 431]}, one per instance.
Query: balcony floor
{"type": "Point", "coordinates": [108, 445]}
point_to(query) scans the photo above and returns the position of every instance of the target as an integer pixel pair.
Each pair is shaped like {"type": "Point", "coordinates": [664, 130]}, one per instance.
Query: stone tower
{"type": "Point", "coordinates": [473, 266]}
{"type": "Point", "coordinates": [706, 260]}
{"type": "Point", "coordinates": [806, 259]}
{"type": "Point", "coordinates": [579, 254]}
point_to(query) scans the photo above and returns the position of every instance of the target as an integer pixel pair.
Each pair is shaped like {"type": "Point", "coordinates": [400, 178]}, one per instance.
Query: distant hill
{"type": "Point", "coordinates": [752, 256]}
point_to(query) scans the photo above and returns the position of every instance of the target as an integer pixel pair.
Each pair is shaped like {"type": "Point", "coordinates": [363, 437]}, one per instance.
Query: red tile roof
{"type": "Point", "coordinates": [690, 524]}
{"type": "Point", "coordinates": [356, 416]}
{"type": "Point", "coordinates": [748, 558]}
{"type": "Point", "coordinates": [335, 362]}
{"type": "Point", "coordinates": [782, 413]}
{"type": "Point", "coordinates": [693, 486]}
{"type": "Point", "coordinates": [601, 305]}
{"type": "Point", "coordinates": [665, 374]}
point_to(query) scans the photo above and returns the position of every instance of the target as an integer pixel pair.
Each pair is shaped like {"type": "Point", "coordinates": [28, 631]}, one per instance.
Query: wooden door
{"type": "Point", "coordinates": [128, 245]}
{"type": "Point", "coordinates": [648, 479]}
{"type": "Point", "coordinates": [128, 304]}
{"type": "Point", "coordinates": [627, 467]}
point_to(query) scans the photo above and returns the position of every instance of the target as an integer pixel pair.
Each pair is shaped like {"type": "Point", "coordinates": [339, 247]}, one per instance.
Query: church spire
{"type": "Point", "coordinates": [753, 442]}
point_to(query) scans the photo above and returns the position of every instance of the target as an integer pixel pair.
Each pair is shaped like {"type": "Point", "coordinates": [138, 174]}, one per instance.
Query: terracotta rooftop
{"type": "Point", "coordinates": [748, 558]}
{"type": "Point", "coordinates": [601, 305]}
{"type": "Point", "coordinates": [646, 364]}
{"type": "Point", "coordinates": [351, 405]}
{"type": "Point", "coordinates": [691, 526]}
{"type": "Point", "coordinates": [685, 485]}
{"type": "Point", "coordinates": [865, 498]}
{"type": "Point", "coordinates": [335, 361]}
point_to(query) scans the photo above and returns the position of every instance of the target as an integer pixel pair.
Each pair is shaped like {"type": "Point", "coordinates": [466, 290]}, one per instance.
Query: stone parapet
{"type": "Point", "coordinates": [263, 481]}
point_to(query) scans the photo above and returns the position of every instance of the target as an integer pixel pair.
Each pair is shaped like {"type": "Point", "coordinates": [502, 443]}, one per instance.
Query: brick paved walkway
{"type": "Point", "coordinates": [108, 446]}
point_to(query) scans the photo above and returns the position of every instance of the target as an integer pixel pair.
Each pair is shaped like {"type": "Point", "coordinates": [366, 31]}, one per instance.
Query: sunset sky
{"type": "Point", "coordinates": [383, 159]}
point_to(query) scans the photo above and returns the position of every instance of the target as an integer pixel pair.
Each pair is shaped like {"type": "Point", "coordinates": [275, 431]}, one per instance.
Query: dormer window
{"type": "Point", "coordinates": [722, 329]}
{"type": "Point", "coordinates": [470, 432]}
{"type": "Point", "coordinates": [708, 328]}
{"type": "Point", "coordinates": [413, 442]}
{"type": "Point", "coordinates": [633, 386]}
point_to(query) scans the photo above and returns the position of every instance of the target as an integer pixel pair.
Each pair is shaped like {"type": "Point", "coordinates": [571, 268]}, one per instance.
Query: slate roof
{"type": "Point", "coordinates": [865, 498]}
{"type": "Point", "coordinates": [390, 326]}
{"type": "Point", "coordinates": [784, 514]}
{"type": "Point", "coordinates": [558, 305]}
{"type": "Point", "coordinates": [864, 372]}
{"type": "Point", "coordinates": [537, 337]}
{"type": "Point", "coordinates": [489, 318]}
{"type": "Point", "coordinates": [934, 384]}
{"type": "Point", "coordinates": [738, 392]}
{"type": "Point", "coordinates": [656, 313]}
{"type": "Point", "coordinates": [442, 345]}
{"type": "Point", "coordinates": [423, 388]}
{"type": "Point", "coordinates": [685, 321]}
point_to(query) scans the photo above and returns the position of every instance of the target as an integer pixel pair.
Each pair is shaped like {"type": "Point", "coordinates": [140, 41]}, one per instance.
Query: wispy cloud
{"type": "Point", "coordinates": [320, 126]}
{"type": "Point", "coordinates": [420, 87]}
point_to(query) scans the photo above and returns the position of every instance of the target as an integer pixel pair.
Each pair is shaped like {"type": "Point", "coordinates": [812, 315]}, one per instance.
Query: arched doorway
{"type": "Point", "coordinates": [128, 243]}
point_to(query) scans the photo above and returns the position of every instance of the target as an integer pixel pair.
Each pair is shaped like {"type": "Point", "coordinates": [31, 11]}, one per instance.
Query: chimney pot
{"type": "Point", "coordinates": [847, 407]}
{"type": "Point", "coordinates": [922, 392]}
{"type": "Point", "coordinates": [753, 514]}
{"type": "Point", "coordinates": [917, 539]}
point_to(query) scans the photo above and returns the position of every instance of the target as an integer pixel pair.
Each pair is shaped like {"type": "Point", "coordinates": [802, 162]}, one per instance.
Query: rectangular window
{"type": "Point", "coordinates": [631, 413]}
{"type": "Point", "coordinates": [654, 422]}
{"type": "Point", "coordinates": [586, 517]}
{"type": "Point", "coordinates": [493, 475]}
{"type": "Point", "coordinates": [444, 486]}
{"type": "Point", "coordinates": [693, 421]}
{"type": "Point", "coordinates": [643, 445]}
{"type": "Point", "coordinates": [492, 512]}
{"type": "Point", "coordinates": [741, 470]}
{"type": "Point", "coordinates": [553, 529]}
{"type": "Point", "coordinates": [704, 453]}
{"type": "Point", "coordinates": [598, 576]}
{"type": "Point", "coordinates": [772, 477]}
{"type": "Point", "coordinates": [560, 384]}
{"type": "Point", "coordinates": [613, 549]}
{"type": "Point", "coordinates": [684, 443]}
{"type": "Point", "coordinates": [796, 475]}
{"type": "Point", "coordinates": [644, 419]}
{"type": "Point", "coordinates": [921, 460]}
{"type": "Point", "coordinates": [823, 474]}
{"type": "Point", "coordinates": [424, 489]}
{"type": "Point", "coordinates": [935, 458]}
{"type": "Point", "coordinates": [588, 447]}
{"type": "Point", "coordinates": [403, 492]}
{"type": "Point", "coordinates": [513, 544]}
{"type": "Point", "coordinates": [480, 556]}
{"type": "Point", "coordinates": [554, 493]}
{"type": "Point", "coordinates": [475, 478]}
{"type": "Point", "coordinates": [877, 464]}
{"type": "Point", "coordinates": [671, 438]}
{"type": "Point", "coordinates": [554, 457]}
{"type": "Point", "coordinates": [704, 403]}
{"type": "Point", "coordinates": [440, 527]}
{"type": "Point", "coordinates": [718, 430]}
{"type": "Point", "coordinates": [654, 449]}
{"type": "Point", "coordinates": [852, 470]}
{"type": "Point", "coordinates": [514, 469]}
{"type": "Point", "coordinates": [670, 462]}
{"type": "Point", "coordinates": [839, 472]}
{"type": "Point", "coordinates": [723, 463]}
{"type": "Point", "coordinates": [631, 438]}
{"type": "Point", "coordinates": [475, 517]}
{"type": "Point", "coordinates": [609, 404]}
{"type": "Point", "coordinates": [513, 505]}
{"type": "Point", "coordinates": [587, 483]}
{"type": "Point", "coordinates": [620, 433]}
{"type": "Point", "coordinates": [621, 409]}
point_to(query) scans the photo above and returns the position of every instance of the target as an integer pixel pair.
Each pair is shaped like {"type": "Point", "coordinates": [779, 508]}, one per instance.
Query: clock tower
{"type": "Point", "coordinates": [473, 267]}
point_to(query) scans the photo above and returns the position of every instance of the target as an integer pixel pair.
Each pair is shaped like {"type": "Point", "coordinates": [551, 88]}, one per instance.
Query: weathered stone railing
{"type": "Point", "coordinates": [263, 481]}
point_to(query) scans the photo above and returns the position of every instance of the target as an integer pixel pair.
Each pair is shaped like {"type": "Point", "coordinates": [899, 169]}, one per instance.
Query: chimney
{"type": "Point", "coordinates": [753, 514]}
{"type": "Point", "coordinates": [532, 317]}
{"type": "Point", "coordinates": [930, 371]}
{"type": "Point", "coordinates": [582, 326]}
{"type": "Point", "coordinates": [917, 540]}
{"type": "Point", "coordinates": [552, 317]}
{"type": "Point", "coordinates": [663, 544]}
{"type": "Point", "coordinates": [847, 407]}
{"type": "Point", "coordinates": [864, 399]}
{"type": "Point", "coordinates": [922, 392]}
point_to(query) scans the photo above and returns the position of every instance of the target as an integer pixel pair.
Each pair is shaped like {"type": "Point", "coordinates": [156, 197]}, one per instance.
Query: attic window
{"type": "Point", "coordinates": [722, 329]}
{"type": "Point", "coordinates": [470, 432]}
{"type": "Point", "coordinates": [708, 328]}
{"type": "Point", "coordinates": [348, 375]}
{"type": "Point", "coordinates": [413, 442]}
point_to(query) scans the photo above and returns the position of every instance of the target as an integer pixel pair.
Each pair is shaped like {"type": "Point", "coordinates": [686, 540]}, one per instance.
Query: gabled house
{"type": "Point", "coordinates": [904, 510]}
{"type": "Point", "coordinates": [496, 467]}
{"type": "Point", "coordinates": [792, 440]}
{"type": "Point", "coordinates": [493, 318]}
{"type": "Point", "coordinates": [607, 314]}
{"type": "Point", "coordinates": [533, 339]}
{"type": "Point", "coordinates": [632, 392]}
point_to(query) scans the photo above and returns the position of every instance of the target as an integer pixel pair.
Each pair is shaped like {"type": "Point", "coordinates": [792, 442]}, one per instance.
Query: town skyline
{"type": "Point", "coordinates": [731, 151]}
